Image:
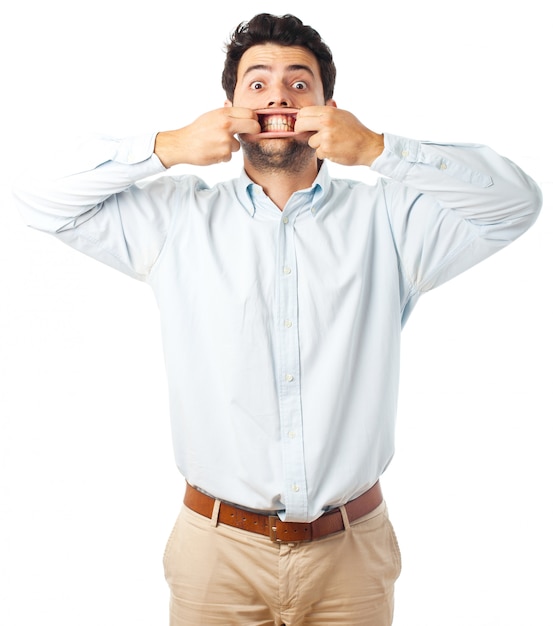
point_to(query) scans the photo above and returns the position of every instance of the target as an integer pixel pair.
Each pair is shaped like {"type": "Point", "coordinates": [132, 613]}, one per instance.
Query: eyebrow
{"type": "Point", "coordinates": [289, 68]}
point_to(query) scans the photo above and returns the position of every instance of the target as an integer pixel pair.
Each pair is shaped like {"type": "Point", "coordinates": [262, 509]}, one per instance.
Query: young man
{"type": "Point", "coordinates": [282, 296]}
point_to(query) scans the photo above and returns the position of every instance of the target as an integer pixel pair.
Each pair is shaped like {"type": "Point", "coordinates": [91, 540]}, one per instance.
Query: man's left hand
{"type": "Point", "coordinates": [339, 136]}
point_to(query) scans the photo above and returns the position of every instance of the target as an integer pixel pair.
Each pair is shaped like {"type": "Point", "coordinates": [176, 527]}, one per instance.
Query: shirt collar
{"type": "Point", "coordinates": [253, 198]}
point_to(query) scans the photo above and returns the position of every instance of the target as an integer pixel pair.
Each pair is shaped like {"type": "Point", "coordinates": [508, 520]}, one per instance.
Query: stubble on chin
{"type": "Point", "coordinates": [288, 156]}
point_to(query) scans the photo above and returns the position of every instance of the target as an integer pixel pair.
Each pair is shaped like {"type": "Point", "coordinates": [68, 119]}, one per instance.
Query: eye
{"type": "Point", "coordinates": [299, 85]}
{"type": "Point", "coordinates": [256, 85]}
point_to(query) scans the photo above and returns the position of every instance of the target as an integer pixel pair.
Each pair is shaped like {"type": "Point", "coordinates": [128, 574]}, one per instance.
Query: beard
{"type": "Point", "coordinates": [278, 155]}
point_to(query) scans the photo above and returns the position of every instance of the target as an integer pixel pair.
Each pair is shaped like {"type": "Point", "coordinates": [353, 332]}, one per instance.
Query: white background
{"type": "Point", "coordinates": [88, 487]}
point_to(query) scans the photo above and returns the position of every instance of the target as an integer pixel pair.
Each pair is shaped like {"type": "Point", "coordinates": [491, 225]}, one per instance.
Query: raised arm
{"type": "Point", "coordinates": [208, 140]}
{"type": "Point", "coordinates": [450, 205]}
{"type": "Point", "coordinates": [97, 200]}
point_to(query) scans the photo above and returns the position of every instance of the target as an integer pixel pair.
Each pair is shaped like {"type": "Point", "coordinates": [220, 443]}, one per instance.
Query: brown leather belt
{"type": "Point", "coordinates": [271, 526]}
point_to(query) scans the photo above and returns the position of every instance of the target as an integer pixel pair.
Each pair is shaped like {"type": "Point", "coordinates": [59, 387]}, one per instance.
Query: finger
{"type": "Point", "coordinates": [243, 121]}
{"type": "Point", "coordinates": [224, 153]}
{"type": "Point", "coordinates": [240, 113]}
{"type": "Point", "coordinates": [237, 120]}
{"type": "Point", "coordinates": [314, 141]}
{"type": "Point", "coordinates": [313, 111]}
{"type": "Point", "coordinates": [312, 118]}
{"type": "Point", "coordinates": [245, 127]}
{"type": "Point", "coordinates": [308, 124]}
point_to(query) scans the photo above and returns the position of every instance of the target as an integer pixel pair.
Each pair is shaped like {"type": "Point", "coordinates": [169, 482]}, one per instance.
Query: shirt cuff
{"type": "Point", "coordinates": [133, 150]}
{"type": "Point", "coordinates": [398, 157]}
{"type": "Point", "coordinates": [457, 161]}
{"type": "Point", "coordinates": [137, 152]}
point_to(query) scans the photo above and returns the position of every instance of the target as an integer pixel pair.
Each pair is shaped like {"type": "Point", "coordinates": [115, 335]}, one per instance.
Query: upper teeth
{"type": "Point", "coordinates": [279, 122]}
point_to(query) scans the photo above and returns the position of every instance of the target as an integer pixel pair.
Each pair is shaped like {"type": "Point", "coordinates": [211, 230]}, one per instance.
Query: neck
{"type": "Point", "coordinates": [281, 184]}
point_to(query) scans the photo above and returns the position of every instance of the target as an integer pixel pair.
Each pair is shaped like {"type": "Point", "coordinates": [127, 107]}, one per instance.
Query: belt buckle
{"type": "Point", "coordinates": [273, 521]}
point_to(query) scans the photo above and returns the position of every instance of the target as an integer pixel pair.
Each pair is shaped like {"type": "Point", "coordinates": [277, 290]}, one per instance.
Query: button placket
{"type": "Point", "coordinates": [291, 428]}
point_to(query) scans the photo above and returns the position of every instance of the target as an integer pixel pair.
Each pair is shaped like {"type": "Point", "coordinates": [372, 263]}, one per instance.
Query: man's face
{"type": "Point", "coordinates": [276, 81]}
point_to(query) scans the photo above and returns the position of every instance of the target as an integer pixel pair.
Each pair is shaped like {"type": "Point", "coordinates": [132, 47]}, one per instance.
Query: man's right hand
{"type": "Point", "coordinates": [208, 140]}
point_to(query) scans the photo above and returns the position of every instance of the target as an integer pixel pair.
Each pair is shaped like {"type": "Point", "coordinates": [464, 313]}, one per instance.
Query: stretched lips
{"type": "Point", "coordinates": [277, 120]}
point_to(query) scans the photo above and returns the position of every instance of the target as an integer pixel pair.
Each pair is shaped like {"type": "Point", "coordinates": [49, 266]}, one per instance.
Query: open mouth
{"type": "Point", "coordinates": [277, 122]}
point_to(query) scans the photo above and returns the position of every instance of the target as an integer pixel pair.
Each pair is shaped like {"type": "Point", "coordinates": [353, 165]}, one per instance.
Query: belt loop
{"type": "Point", "coordinates": [215, 513]}
{"type": "Point", "coordinates": [345, 518]}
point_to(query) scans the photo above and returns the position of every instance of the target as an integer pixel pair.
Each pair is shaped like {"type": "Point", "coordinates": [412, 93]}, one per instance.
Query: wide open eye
{"type": "Point", "coordinates": [257, 85]}
{"type": "Point", "coordinates": [299, 85]}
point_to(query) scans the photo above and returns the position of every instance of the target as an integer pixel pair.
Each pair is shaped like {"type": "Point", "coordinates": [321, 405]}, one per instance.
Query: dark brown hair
{"type": "Point", "coordinates": [286, 30]}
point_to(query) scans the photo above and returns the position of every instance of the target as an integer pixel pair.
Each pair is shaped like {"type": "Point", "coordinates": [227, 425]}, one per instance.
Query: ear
{"type": "Point", "coordinates": [331, 103]}
{"type": "Point", "coordinates": [228, 103]}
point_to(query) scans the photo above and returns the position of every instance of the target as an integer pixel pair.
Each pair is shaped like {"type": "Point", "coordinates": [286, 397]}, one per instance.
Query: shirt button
{"type": "Point", "coordinates": [289, 378]}
{"type": "Point", "coordinates": [286, 270]}
{"type": "Point", "coordinates": [292, 434]}
{"type": "Point", "coordinates": [313, 210]}
{"type": "Point", "coordinates": [285, 220]}
{"type": "Point", "coordinates": [443, 166]}
{"type": "Point", "coordinates": [288, 323]}
{"type": "Point", "coordinates": [405, 153]}
{"type": "Point", "coordinates": [295, 488]}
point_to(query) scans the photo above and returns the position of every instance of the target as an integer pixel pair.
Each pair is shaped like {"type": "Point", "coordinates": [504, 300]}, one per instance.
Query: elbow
{"type": "Point", "coordinates": [523, 202]}
{"type": "Point", "coordinates": [521, 205]}
{"type": "Point", "coordinates": [531, 203]}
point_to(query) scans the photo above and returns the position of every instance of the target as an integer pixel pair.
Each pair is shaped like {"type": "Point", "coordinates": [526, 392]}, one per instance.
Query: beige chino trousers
{"type": "Point", "coordinates": [219, 575]}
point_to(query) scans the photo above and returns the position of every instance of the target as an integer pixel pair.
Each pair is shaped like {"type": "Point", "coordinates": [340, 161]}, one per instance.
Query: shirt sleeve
{"type": "Point", "coordinates": [455, 205]}
{"type": "Point", "coordinates": [98, 200]}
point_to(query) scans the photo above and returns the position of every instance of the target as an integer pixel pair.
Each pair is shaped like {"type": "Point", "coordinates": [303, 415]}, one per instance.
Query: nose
{"type": "Point", "coordinates": [278, 95]}
{"type": "Point", "coordinates": [278, 103]}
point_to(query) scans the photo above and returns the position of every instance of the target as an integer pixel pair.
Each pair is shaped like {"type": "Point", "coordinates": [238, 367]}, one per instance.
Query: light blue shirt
{"type": "Point", "coordinates": [281, 330]}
